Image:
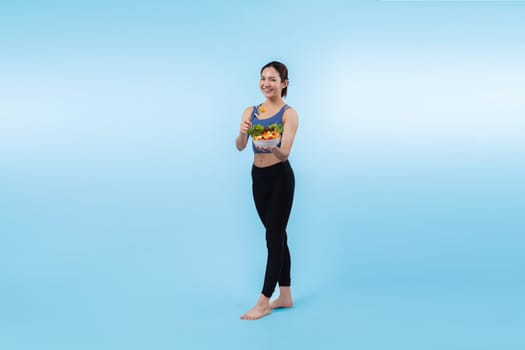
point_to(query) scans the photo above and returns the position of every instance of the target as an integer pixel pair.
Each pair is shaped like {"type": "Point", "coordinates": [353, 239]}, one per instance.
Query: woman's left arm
{"type": "Point", "coordinates": [290, 125]}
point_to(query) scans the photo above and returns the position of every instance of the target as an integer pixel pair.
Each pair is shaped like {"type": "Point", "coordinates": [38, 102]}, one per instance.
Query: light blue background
{"type": "Point", "coordinates": [126, 217]}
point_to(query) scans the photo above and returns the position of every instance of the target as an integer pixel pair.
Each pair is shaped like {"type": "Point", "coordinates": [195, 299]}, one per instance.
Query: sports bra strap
{"type": "Point", "coordinates": [256, 108]}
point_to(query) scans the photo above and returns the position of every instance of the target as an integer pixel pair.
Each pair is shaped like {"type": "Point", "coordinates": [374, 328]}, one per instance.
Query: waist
{"type": "Point", "coordinates": [264, 160]}
{"type": "Point", "coordinates": [273, 174]}
{"type": "Point", "coordinates": [272, 166]}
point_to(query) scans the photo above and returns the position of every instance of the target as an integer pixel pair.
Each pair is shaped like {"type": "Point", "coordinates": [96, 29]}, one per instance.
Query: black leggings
{"type": "Point", "coordinates": [273, 189]}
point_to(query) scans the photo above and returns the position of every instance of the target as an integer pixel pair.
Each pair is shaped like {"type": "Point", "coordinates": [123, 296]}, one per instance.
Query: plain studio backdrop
{"type": "Point", "coordinates": [126, 215]}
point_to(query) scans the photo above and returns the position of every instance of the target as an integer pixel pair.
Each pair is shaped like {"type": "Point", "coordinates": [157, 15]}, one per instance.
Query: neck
{"type": "Point", "coordinates": [278, 101]}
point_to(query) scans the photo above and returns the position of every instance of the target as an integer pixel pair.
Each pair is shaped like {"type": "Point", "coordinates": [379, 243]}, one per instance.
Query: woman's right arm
{"type": "Point", "coordinates": [242, 139]}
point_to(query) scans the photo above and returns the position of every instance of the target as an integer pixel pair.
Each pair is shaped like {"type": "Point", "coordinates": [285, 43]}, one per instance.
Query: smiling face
{"type": "Point", "coordinates": [270, 84]}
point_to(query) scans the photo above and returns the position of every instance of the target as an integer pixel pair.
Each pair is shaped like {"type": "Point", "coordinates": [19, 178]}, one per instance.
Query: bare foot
{"type": "Point", "coordinates": [261, 309]}
{"type": "Point", "coordinates": [257, 312]}
{"type": "Point", "coordinates": [281, 302]}
{"type": "Point", "coordinates": [284, 300]}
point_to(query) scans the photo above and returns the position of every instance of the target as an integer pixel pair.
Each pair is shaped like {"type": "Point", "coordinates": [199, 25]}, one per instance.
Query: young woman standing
{"type": "Point", "coordinates": [273, 184]}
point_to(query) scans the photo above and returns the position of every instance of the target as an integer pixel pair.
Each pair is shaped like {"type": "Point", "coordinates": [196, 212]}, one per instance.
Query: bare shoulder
{"type": "Point", "coordinates": [247, 113]}
{"type": "Point", "coordinates": [290, 114]}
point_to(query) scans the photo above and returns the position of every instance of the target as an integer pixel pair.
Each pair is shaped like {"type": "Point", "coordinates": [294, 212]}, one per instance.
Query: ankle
{"type": "Point", "coordinates": [285, 292]}
{"type": "Point", "coordinates": [263, 301]}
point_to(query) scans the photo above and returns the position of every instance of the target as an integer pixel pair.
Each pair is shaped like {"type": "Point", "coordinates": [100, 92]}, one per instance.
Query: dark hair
{"type": "Point", "coordinates": [283, 73]}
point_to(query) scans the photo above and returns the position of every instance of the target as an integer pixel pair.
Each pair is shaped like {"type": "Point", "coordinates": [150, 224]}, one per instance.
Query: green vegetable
{"type": "Point", "coordinates": [258, 129]}
{"type": "Point", "coordinates": [276, 127]}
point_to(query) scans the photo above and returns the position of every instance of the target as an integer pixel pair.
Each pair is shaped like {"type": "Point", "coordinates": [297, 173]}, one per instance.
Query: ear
{"type": "Point", "coordinates": [284, 83]}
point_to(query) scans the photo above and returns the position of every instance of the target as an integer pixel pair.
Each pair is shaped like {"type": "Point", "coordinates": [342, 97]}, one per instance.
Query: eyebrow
{"type": "Point", "coordinates": [271, 76]}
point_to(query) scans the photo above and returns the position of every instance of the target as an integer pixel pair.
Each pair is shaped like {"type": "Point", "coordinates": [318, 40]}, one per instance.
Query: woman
{"type": "Point", "coordinates": [272, 184]}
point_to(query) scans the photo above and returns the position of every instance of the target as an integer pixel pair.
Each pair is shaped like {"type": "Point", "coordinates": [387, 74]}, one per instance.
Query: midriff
{"type": "Point", "coordinates": [263, 160]}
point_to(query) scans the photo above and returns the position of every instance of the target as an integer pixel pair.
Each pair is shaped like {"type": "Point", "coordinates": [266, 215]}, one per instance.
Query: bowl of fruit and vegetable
{"type": "Point", "coordinates": [266, 137]}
